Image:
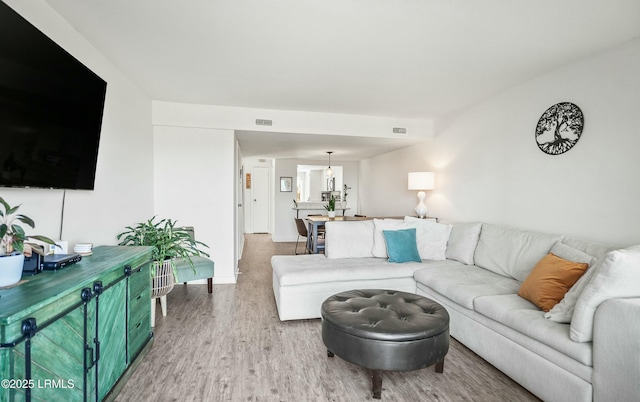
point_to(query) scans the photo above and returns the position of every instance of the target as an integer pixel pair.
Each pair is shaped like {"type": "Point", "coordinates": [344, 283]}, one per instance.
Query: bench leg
{"type": "Point", "coordinates": [329, 353]}
{"type": "Point", "coordinates": [376, 383]}
{"type": "Point", "coordinates": [210, 285]}
{"type": "Point", "coordinates": [440, 366]}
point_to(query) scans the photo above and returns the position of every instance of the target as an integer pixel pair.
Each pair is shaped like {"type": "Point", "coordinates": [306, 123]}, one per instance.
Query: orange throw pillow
{"type": "Point", "coordinates": [550, 279]}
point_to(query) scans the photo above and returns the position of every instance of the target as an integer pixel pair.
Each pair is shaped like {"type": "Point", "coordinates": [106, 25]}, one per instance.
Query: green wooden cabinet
{"type": "Point", "coordinates": [77, 333]}
{"type": "Point", "coordinates": [139, 318]}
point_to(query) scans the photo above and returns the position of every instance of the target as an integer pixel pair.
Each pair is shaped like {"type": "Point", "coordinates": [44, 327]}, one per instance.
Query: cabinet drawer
{"type": "Point", "coordinates": [138, 281]}
{"type": "Point", "coordinates": [139, 306]}
{"type": "Point", "coordinates": [139, 333]}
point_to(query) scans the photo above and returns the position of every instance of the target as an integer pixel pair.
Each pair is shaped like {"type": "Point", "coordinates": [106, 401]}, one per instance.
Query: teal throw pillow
{"type": "Point", "coordinates": [401, 245]}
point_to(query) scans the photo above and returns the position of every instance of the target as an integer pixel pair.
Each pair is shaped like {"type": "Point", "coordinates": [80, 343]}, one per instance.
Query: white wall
{"type": "Point", "coordinates": [124, 178]}
{"type": "Point", "coordinates": [489, 167]}
{"type": "Point", "coordinates": [194, 175]}
{"type": "Point", "coordinates": [286, 121]}
{"type": "Point", "coordinates": [284, 228]}
{"type": "Point", "coordinates": [383, 182]}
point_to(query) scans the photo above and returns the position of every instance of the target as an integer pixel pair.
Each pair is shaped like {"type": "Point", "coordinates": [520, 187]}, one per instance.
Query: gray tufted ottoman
{"type": "Point", "coordinates": [385, 330]}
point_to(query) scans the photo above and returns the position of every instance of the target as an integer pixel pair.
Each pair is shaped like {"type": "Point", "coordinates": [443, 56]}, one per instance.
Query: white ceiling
{"type": "Point", "coordinates": [395, 58]}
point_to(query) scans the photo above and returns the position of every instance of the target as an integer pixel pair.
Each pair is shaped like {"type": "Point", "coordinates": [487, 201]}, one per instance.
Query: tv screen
{"type": "Point", "coordinates": [50, 110]}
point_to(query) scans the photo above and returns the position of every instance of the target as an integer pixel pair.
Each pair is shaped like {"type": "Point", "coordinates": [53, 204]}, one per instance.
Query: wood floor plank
{"type": "Point", "coordinates": [231, 346]}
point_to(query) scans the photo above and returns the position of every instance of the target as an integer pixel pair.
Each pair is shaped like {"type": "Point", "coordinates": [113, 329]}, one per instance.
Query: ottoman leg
{"type": "Point", "coordinates": [376, 383]}
{"type": "Point", "coordinates": [440, 366]}
{"type": "Point", "coordinates": [329, 353]}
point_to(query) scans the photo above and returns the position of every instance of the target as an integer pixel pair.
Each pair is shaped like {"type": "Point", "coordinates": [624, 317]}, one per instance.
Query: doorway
{"type": "Point", "coordinates": [260, 199]}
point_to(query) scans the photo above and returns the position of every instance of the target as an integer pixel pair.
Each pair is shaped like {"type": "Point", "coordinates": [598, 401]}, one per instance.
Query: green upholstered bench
{"type": "Point", "coordinates": [204, 270]}
{"type": "Point", "coordinates": [204, 267]}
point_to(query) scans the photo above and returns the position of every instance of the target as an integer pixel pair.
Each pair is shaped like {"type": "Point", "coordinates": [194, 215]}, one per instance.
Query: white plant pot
{"type": "Point", "coordinates": [11, 269]}
{"type": "Point", "coordinates": [332, 214]}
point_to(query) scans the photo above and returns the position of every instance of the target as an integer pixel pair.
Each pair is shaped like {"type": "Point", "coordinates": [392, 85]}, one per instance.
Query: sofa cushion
{"type": "Point", "coordinates": [511, 252]}
{"type": "Point", "coordinates": [401, 245]}
{"type": "Point", "coordinates": [432, 237]}
{"type": "Point", "coordinates": [525, 318]}
{"type": "Point", "coordinates": [379, 248]}
{"type": "Point", "coordinates": [550, 280]}
{"type": "Point", "coordinates": [617, 275]}
{"type": "Point", "coordinates": [352, 239]}
{"type": "Point", "coordinates": [567, 252]}
{"type": "Point", "coordinates": [463, 241]}
{"type": "Point", "coordinates": [563, 311]}
{"type": "Point", "coordinates": [595, 250]}
{"type": "Point", "coordinates": [464, 283]}
{"type": "Point", "coordinates": [294, 270]}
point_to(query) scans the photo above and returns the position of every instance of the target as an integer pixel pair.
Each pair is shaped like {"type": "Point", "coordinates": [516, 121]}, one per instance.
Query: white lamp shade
{"type": "Point", "coordinates": [422, 180]}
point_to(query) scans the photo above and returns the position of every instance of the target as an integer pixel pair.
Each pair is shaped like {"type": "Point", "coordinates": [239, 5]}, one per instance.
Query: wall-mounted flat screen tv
{"type": "Point", "coordinates": [51, 109]}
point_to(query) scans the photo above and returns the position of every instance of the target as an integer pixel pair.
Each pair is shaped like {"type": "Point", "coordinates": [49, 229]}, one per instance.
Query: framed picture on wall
{"type": "Point", "coordinates": [285, 184]}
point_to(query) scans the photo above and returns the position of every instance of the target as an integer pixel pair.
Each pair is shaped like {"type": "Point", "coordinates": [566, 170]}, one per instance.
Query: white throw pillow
{"type": "Point", "coordinates": [563, 311]}
{"type": "Point", "coordinates": [463, 241]}
{"type": "Point", "coordinates": [348, 239]}
{"type": "Point", "coordinates": [432, 238]}
{"type": "Point", "coordinates": [617, 275]}
{"type": "Point", "coordinates": [379, 248]}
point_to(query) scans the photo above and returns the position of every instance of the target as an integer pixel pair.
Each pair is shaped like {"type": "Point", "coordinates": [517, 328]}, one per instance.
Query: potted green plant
{"type": "Point", "coordinates": [12, 243]}
{"type": "Point", "coordinates": [168, 241]}
{"type": "Point", "coordinates": [331, 207]}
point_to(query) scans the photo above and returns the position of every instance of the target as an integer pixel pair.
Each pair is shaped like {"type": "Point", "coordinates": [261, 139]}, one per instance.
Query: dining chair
{"type": "Point", "coordinates": [302, 232]}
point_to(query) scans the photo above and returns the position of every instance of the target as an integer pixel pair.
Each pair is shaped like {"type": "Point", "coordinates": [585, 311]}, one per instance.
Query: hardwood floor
{"type": "Point", "coordinates": [231, 346]}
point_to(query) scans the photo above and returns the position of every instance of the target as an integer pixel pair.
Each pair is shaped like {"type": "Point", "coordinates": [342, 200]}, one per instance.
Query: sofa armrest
{"type": "Point", "coordinates": [616, 350]}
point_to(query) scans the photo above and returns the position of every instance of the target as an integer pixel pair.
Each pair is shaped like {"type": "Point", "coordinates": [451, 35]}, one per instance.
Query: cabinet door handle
{"type": "Point", "coordinates": [89, 357]}
{"type": "Point", "coordinates": [97, 349]}
{"type": "Point", "coordinates": [97, 288]}
{"type": "Point", "coordinates": [86, 294]}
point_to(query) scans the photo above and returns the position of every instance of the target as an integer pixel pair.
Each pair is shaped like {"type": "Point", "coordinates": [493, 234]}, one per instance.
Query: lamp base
{"type": "Point", "coordinates": [421, 208]}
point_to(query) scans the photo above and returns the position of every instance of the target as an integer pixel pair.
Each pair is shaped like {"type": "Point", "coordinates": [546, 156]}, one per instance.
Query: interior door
{"type": "Point", "coordinates": [260, 195]}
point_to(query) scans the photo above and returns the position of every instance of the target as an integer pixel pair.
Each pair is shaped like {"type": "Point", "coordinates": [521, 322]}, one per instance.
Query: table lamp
{"type": "Point", "coordinates": [421, 181]}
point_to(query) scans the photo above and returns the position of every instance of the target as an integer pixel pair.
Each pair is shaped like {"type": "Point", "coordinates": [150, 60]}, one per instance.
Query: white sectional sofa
{"type": "Point", "coordinates": [476, 270]}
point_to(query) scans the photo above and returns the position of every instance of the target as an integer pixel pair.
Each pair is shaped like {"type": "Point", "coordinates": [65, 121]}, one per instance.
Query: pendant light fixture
{"type": "Point", "coordinates": [329, 170]}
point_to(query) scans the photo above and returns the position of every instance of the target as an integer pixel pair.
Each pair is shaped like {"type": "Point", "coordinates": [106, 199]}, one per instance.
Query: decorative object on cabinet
{"type": "Point", "coordinates": [421, 181]}
{"type": "Point", "coordinates": [285, 184]}
{"type": "Point", "coordinates": [559, 128]}
{"type": "Point", "coordinates": [12, 243]}
{"type": "Point", "coordinates": [331, 207]}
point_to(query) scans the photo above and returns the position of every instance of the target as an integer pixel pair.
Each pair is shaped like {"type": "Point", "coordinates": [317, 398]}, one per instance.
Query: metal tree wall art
{"type": "Point", "coordinates": [559, 128]}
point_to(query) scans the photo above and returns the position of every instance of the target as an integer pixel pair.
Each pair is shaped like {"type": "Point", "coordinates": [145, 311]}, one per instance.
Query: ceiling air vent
{"type": "Point", "coordinates": [399, 130]}
{"type": "Point", "coordinates": [263, 122]}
